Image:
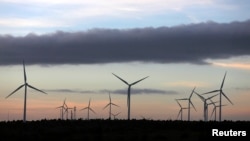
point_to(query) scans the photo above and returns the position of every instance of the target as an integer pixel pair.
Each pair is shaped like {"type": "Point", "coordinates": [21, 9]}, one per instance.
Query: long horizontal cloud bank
{"type": "Point", "coordinates": [192, 43]}
{"type": "Point", "coordinates": [118, 91]}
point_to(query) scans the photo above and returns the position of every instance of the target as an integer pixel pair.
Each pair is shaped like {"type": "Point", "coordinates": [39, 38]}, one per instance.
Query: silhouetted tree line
{"type": "Point", "coordinates": [115, 130]}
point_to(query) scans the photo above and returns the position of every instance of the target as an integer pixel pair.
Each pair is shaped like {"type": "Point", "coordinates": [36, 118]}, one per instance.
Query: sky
{"type": "Point", "coordinates": [71, 48]}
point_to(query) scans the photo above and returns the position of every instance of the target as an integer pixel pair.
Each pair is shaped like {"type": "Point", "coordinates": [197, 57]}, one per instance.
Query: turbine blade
{"type": "Point", "coordinates": [183, 99]}
{"type": "Point", "coordinates": [121, 79]}
{"type": "Point", "coordinates": [212, 102]}
{"type": "Point", "coordinates": [36, 89]}
{"type": "Point", "coordinates": [213, 111]}
{"type": "Point", "coordinates": [115, 104]}
{"type": "Point", "coordinates": [178, 102]}
{"type": "Point", "coordinates": [201, 97]}
{"type": "Point", "coordinates": [212, 96]}
{"type": "Point", "coordinates": [64, 101]}
{"type": "Point", "coordinates": [24, 72]}
{"type": "Point", "coordinates": [92, 110]}
{"type": "Point", "coordinates": [109, 98]}
{"type": "Point", "coordinates": [84, 108]}
{"type": "Point", "coordinates": [15, 91]}
{"type": "Point", "coordinates": [192, 105]}
{"type": "Point", "coordinates": [65, 105]}
{"type": "Point", "coordinates": [106, 106]}
{"type": "Point", "coordinates": [59, 107]}
{"type": "Point", "coordinates": [139, 80]}
{"type": "Point", "coordinates": [223, 81]}
{"type": "Point", "coordinates": [211, 92]}
{"type": "Point", "coordinates": [227, 97]}
{"type": "Point", "coordinates": [192, 93]}
{"type": "Point", "coordinates": [89, 102]}
{"type": "Point", "coordinates": [179, 114]}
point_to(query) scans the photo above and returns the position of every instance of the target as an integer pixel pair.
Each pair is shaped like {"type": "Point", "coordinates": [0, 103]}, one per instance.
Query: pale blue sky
{"type": "Point", "coordinates": [43, 16]}
{"type": "Point", "coordinates": [168, 80]}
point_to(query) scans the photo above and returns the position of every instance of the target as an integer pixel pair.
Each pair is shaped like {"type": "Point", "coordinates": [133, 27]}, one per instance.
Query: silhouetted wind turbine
{"type": "Point", "coordinates": [74, 112]}
{"type": "Point", "coordinates": [189, 103]}
{"type": "Point", "coordinates": [110, 104]}
{"type": "Point", "coordinates": [25, 85]}
{"type": "Point", "coordinates": [205, 105]}
{"type": "Point", "coordinates": [88, 108]}
{"type": "Point", "coordinates": [181, 109]}
{"type": "Point", "coordinates": [114, 115]}
{"type": "Point", "coordinates": [62, 108]}
{"type": "Point", "coordinates": [129, 88]}
{"type": "Point", "coordinates": [67, 110]}
{"type": "Point", "coordinates": [214, 109]}
{"type": "Point", "coordinates": [221, 93]}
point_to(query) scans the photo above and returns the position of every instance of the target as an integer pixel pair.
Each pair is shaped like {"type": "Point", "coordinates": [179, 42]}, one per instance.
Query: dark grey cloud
{"type": "Point", "coordinates": [192, 43]}
{"type": "Point", "coordinates": [144, 91]}
{"type": "Point", "coordinates": [118, 91]}
{"type": "Point", "coordinates": [68, 91]}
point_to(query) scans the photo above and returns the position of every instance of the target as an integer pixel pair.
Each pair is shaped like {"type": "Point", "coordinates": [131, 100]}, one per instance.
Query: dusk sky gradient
{"type": "Point", "coordinates": [71, 48]}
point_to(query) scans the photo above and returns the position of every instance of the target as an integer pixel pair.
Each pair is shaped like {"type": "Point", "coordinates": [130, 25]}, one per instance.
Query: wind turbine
{"type": "Point", "coordinates": [110, 104]}
{"type": "Point", "coordinates": [214, 109]}
{"type": "Point", "coordinates": [67, 110]}
{"type": "Point", "coordinates": [189, 103]}
{"type": "Point", "coordinates": [88, 108]}
{"type": "Point", "coordinates": [205, 105]}
{"type": "Point", "coordinates": [181, 108]}
{"type": "Point", "coordinates": [129, 88]}
{"type": "Point", "coordinates": [114, 115]}
{"type": "Point", "coordinates": [25, 85]}
{"type": "Point", "coordinates": [221, 93]}
{"type": "Point", "coordinates": [62, 108]}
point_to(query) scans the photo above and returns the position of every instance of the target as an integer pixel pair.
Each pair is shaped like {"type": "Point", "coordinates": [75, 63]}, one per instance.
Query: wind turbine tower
{"type": "Point", "coordinates": [221, 93]}
{"type": "Point", "coordinates": [25, 85]}
{"type": "Point", "coordinates": [129, 88]}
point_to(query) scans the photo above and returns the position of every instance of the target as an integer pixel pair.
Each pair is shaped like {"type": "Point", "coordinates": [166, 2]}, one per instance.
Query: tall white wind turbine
{"type": "Point", "coordinates": [88, 108]}
{"type": "Point", "coordinates": [25, 85]}
{"type": "Point", "coordinates": [189, 103]}
{"type": "Point", "coordinates": [221, 93]}
{"type": "Point", "coordinates": [129, 88]}
{"type": "Point", "coordinates": [110, 104]}
{"type": "Point", "coordinates": [205, 105]}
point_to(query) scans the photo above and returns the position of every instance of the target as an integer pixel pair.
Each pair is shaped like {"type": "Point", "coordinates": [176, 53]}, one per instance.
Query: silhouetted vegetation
{"type": "Point", "coordinates": [115, 130]}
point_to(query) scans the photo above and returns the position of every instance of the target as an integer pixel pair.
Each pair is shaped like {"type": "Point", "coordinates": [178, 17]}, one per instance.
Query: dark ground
{"type": "Point", "coordinates": [118, 130]}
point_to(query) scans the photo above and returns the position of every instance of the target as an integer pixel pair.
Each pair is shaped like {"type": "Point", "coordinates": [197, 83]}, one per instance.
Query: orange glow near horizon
{"type": "Point", "coordinates": [233, 65]}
